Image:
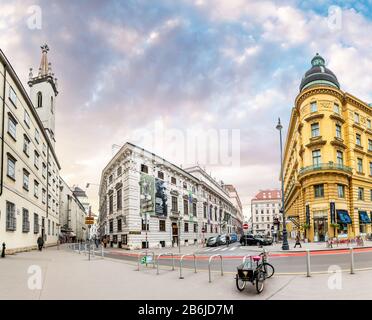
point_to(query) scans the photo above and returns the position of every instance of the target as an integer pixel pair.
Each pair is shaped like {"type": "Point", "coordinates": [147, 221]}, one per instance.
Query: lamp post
{"type": "Point", "coordinates": [179, 233]}
{"type": "Point", "coordinates": [285, 245]}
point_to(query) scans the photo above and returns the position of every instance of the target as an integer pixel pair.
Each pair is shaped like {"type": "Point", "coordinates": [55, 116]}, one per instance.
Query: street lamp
{"type": "Point", "coordinates": [285, 245]}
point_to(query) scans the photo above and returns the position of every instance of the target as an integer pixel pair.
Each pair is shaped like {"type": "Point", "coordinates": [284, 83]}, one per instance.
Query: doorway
{"type": "Point", "coordinates": [174, 233]}
{"type": "Point", "coordinates": [320, 228]}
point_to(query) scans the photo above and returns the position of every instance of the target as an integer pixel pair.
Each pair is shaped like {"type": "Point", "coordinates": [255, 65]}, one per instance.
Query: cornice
{"type": "Point", "coordinates": [317, 142]}
{"type": "Point", "coordinates": [338, 143]}
{"type": "Point", "coordinates": [318, 90]}
{"type": "Point", "coordinates": [337, 117]}
{"type": "Point", "coordinates": [314, 117]}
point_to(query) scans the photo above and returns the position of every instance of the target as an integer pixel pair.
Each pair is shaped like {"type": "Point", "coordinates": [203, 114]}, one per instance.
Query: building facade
{"type": "Point", "coordinates": [328, 159]}
{"type": "Point", "coordinates": [265, 212]}
{"type": "Point", "coordinates": [235, 199]}
{"type": "Point", "coordinates": [72, 215]}
{"type": "Point", "coordinates": [146, 201]}
{"type": "Point", "coordinates": [29, 182]}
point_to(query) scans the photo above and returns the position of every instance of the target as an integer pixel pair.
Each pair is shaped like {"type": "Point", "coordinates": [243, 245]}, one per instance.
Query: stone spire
{"type": "Point", "coordinates": [44, 65]}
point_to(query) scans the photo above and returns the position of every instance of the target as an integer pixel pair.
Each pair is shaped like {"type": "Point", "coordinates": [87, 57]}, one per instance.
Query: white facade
{"type": "Point", "coordinates": [265, 208]}
{"type": "Point", "coordinates": [72, 215]}
{"type": "Point", "coordinates": [181, 202]}
{"type": "Point", "coordinates": [29, 183]}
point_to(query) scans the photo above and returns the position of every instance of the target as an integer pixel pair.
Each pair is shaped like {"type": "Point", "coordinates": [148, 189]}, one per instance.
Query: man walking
{"type": "Point", "coordinates": [40, 243]}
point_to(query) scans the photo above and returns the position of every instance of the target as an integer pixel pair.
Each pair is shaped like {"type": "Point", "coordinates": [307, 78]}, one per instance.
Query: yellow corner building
{"type": "Point", "coordinates": [328, 159]}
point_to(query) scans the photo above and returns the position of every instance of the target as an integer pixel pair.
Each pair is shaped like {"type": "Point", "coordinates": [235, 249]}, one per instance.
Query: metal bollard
{"type": "Point", "coordinates": [3, 250]}
{"type": "Point", "coordinates": [79, 247]}
{"type": "Point", "coordinates": [102, 252]}
{"type": "Point", "coordinates": [352, 261]}
{"type": "Point", "coordinates": [308, 268]}
{"type": "Point", "coordinates": [85, 249]}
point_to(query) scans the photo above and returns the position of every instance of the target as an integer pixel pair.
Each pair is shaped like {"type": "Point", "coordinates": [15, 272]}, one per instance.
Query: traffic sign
{"type": "Point", "coordinates": [245, 226]}
{"type": "Point", "coordinates": [89, 220]}
{"type": "Point", "coordinates": [146, 260]}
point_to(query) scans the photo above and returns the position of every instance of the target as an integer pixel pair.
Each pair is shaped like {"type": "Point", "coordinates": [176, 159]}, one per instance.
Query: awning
{"type": "Point", "coordinates": [363, 217]}
{"type": "Point", "coordinates": [343, 216]}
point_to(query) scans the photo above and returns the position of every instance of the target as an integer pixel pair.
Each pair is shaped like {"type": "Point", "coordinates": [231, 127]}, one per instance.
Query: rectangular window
{"type": "Point", "coordinates": [44, 149]}
{"type": "Point", "coordinates": [111, 204]}
{"type": "Point", "coordinates": [369, 145]}
{"type": "Point", "coordinates": [205, 211]}
{"type": "Point", "coordinates": [11, 167]}
{"type": "Point", "coordinates": [313, 106]}
{"type": "Point", "coordinates": [319, 191]}
{"type": "Point", "coordinates": [36, 223]}
{"type": "Point", "coordinates": [173, 180]}
{"type": "Point", "coordinates": [12, 127]}
{"type": "Point", "coordinates": [162, 225]}
{"type": "Point", "coordinates": [111, 178]}
{"type": "Point", "coordinates": [194, 209]}
{"type": "Point", "coordinates": [370, 168]}
{"type": "Point", "coordinates": [360, 193]}
{"type": "Point", "coordinates": [111, 226]}
{"type": "Point", "coordinates": [119, 200]}
{"type": "Point", "coordinates": [315, 130]}
{"type": "Point", "coordinates": [186, 227]}
{"type": "Point", "coordinates": [341, 191]}
{"type": "Point", "coordinates": [13, 96]}
{"type": "Point", "coordinates": [11, 222]}
{"type": "Point", "coordinates": [316, 158]}
{"type": "Point", "coordinates": [37, 136]}
{"type": "Point", "coordinates": [358, 139]}
{"type": "Point", "coordinates": [26, 178]}
{"type": "Point", "coordinates": [44, 170]}
{"type": "Point", "coordinates": [369, 124]}
{"type": "Point", "coordinates": [27, 119]}
{"type": "Point", "coordinates": [195, 228]}
{"type": "Point", "coordinates": [119, 225]}
{"type": "Point", "coordinates": [161, 175]}
{"type": "Point", "coordinates": [174, 204]}
{"type": "Point", "coordinates": [360, 165]}
{"type": "Point", "coordinates": [356, 117]}
{"type": "Point", "coordinates": [144, 168]}
{"type": "Point", "coordinates": [340, 158]}
{"type": "Point", "coordinates": [26, 145]}
{"type": "Point", "coordinates": [36, 160]}
{"type": "Point", "coordinates": [25, 221]}
{"type": "Point", "coordinates": [119, 171]}
{"type": "Point", "coordinates": [53, 228]}
{"type": "Point", "coordinates": [43, 196]}
{"type": "Point", "coordinates": [338, 131]}
{"type": "Point", "coordinates": [36, 189]}
{"type": "Point", "coordinates": [336, 108]}
{"type": "Point", "coordinates": [144, 225]}
{"type": "Point", "coordinates": [185, 206]}
{"type": "Point", "coordinates": [370, 194]}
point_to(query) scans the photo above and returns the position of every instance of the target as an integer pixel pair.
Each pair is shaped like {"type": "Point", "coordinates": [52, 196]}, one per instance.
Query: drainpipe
{"type": "Point", "coordinates": [2, 134]}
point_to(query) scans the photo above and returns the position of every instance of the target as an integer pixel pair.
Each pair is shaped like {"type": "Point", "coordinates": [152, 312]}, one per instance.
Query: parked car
{"type": "Point", "coordinates": [212, 241]}
{"type": "Point", "coordinates": [221, 240]}
{"type": "Point", "coordinates": [250, 239]}
{"type": "Point", "coordinates": [233, 237]}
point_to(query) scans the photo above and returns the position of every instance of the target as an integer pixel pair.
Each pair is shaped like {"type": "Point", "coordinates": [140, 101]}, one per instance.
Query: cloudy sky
{"type": "Point", "coordinates": [155, 71]}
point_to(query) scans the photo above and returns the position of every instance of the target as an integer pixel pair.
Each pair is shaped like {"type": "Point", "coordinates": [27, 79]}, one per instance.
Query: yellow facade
{"type": "Point", "coordinates": [324, 163]}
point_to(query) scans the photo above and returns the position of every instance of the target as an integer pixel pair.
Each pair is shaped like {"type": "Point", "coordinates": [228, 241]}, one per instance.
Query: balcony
{"type": "Point", "coordinates": [325, 166]}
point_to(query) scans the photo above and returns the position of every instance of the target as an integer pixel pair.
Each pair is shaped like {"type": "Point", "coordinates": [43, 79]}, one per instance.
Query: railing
{"type": "Point", "coordinates": [185, 255]}
{"type": "Point", "coordinates": [145, 253]}
{"type": "Point", "coordinates": [209, 265]}
{"type": "Point", "coordinates": [325, 166]}
{"type": "Point", "coordinates": [165, 254]}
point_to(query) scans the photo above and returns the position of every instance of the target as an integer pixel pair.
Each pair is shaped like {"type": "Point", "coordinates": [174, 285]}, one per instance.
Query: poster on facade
{"type": "Point", "coordinates": [147, 194]}
{"type": "Point", "coordinates": [161, 207]}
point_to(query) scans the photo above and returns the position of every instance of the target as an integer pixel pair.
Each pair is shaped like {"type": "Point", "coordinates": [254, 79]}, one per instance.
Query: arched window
{"type": "Point", "coordinates": [39, 99]}
{"type": "Point", "coordinates": [51, 104]}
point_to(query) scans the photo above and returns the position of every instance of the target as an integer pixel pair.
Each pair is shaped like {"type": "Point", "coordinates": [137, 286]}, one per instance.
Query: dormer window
{"type": "Point", "coordinates": [39, 100]}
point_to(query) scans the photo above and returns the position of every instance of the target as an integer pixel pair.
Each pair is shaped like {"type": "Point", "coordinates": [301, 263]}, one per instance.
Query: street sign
{"type": "Point", "coordinates": [89, 220]}
{"type": "Point", "coordinates": [145, 260]}
{"type": "Point", "coordinates": [245, 226]}
{"type": "Point", "coordinates": [203, 230]}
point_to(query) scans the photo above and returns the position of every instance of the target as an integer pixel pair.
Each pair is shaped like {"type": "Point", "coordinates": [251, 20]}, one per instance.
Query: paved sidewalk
{"type": "Point", "coordinates": [68, 275]}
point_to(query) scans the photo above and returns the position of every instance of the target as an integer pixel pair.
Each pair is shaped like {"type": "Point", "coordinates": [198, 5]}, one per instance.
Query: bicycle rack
{"type": "Point", "coordinates": [165, 254]}
{"type": "Point", "coordinates": [145, 253]}
{"type": "Point", "coordinates": [209, 265]}
{"type": "Point", "coordinates": [185, 255]}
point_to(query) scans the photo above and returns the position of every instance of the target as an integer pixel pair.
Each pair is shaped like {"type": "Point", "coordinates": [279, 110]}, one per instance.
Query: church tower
{"type": "Point", "coordinates": [43, 93]}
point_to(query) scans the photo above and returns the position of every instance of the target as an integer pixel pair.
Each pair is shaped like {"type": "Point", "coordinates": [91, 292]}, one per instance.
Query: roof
{"type": "Point", "coordinates": [78, 192]}
{"type": "Point", "coordinates": [271, 194]}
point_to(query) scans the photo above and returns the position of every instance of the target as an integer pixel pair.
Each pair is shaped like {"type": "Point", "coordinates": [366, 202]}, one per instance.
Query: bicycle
{"type": "Point", "coordinates": [256, 275]}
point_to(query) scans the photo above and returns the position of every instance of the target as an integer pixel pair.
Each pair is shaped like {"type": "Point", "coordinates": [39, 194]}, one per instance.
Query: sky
{"type": "Point", "coordinates": [166, 74]}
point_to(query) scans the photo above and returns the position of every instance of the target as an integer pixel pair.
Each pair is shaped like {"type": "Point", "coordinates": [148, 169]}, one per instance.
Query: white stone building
{"type": "Point", "coordinates": [29, 182]}
{"type": "Point", "coordinates": [148, 201]}
{"type": "Point", "coordinates": [72, 215]}
{"type": "Point", "coordinates": [265, 211]}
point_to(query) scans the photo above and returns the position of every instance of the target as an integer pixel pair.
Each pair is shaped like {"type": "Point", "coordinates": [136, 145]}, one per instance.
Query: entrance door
{"type": "Point", "coordinates": [175, 233]}
{"type": "Point", "coordinates": [320, 228]}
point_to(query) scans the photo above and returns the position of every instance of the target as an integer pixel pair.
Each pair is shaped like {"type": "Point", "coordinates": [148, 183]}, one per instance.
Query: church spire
{"type": "Point", "coordinates": [44, 65]}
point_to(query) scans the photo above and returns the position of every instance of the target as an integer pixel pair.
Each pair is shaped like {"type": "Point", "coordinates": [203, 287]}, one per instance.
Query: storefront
{"type": "Point", "coordinates": [320, 225]}
{"type": "Point", "coordinates": [364, 221]}
{"type": "Point", "coordinates": [343, 220]}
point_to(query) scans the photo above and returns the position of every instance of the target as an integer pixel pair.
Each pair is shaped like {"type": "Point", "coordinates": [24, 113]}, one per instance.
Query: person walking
{"type": "Point", "coordinates": [40, 243]}
{"type": "Point", "coordinates": [298, 242]}
{"type": "Point", "coordinates": [227, 239]}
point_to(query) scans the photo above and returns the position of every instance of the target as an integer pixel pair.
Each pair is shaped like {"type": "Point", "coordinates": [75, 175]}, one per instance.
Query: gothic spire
{"type": "Point", "coordinates": [44, 65]}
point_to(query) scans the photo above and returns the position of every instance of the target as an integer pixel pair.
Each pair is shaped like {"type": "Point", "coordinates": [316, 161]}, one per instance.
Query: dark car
{"type": "Point", "coordinates": [250, 239]}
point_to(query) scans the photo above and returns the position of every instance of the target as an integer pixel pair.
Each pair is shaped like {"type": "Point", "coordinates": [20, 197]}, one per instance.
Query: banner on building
{"type": "Point", "coordinates": [333, 212]}
{"type": "Point", "coordinates": [161, 207]}
{"type": "Point", "coordinates": [307, 214]}
{"type": "Point", "coordinates": [147, 194]}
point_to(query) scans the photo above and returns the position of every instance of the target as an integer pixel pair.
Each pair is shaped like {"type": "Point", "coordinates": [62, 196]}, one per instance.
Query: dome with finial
{"type": "Point", "coordinates": [319, 75]}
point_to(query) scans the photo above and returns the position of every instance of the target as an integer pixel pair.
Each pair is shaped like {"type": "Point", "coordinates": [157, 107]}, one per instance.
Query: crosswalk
{"type": "Point", "coordinates": [220, 249]}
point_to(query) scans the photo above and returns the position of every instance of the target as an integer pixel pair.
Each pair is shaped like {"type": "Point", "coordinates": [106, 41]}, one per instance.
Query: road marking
{"type": "Point", "coordinates": [233, 248]}
{"type": "Point", "coordinates": [209, 249]}
{"type": "Point", "coordinates": [224, 249]}
{"type": "Point", "coordinates": [216, 249]}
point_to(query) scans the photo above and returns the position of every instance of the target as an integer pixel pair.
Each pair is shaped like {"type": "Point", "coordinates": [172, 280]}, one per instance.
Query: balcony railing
{"type": "Point", "coordinates": [325, 166]}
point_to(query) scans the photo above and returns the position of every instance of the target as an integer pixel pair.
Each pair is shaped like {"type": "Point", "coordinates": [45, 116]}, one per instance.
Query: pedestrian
{"type": "Point", "coordinates": [298, 242]}
{"type": "Point", "coordinates": [40, 243]}
{"type": "Point", "coordinates": [105, 242]}
{"type": "Point", "coordinates": [227, 240]}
